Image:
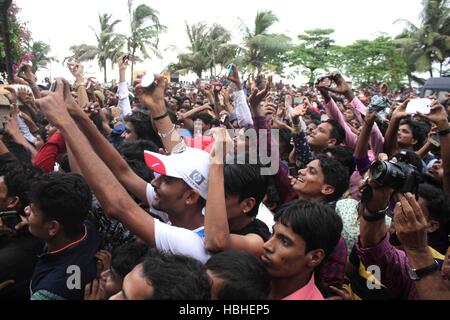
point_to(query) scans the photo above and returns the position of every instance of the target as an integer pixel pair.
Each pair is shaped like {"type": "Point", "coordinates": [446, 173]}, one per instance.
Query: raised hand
{"type": "Point", "coordinates": [77, 69]}
{"type": "Point", "coordinates": [54, 106]}
{"type": "Point", "coordinates": [153, 97]}
{"type": "Point", "coordinates": [25, 97]}
{"type": "Point", "coordinates": [342, 87]}
{"type": "Point", "coordinates": [222, 145]}
{"type": "Point", "coordinates": [94, 291]}
{"type": "Point", "coordinates": [299, 111]}
{"type": "Point", "coordinates": [235, 78]}
{"type": "Point", "coordinates": [400, 111]}
{"type": "Point", "coordinates": [27, 75]}
{"type": "Point", "coordinates": [103, 260]}
{"type": "Point", "coordinates": [258, 96]}
{"type": "Point", "coordinates": [123, 62]}
{"type": "Point", "coordinates": [437, 116]}
{"type": "Point", "coordinates": [13, 95]}
{"type": "Point", "coordinates": [410, 223]}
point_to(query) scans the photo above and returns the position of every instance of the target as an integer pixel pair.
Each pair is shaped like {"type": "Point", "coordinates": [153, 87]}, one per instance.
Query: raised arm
{"type": "Point", "coordinates": [302, 148]}
{"type": "Point", "coordinates": [218, 237]}
{"type": "Point", "coordinates": [77, 71]}
{"type": "Point", "coordinates": [362, 145]}
{"type": "Point", "coordinates": [411, 227]}
{"type": "Point", "coordinates": [376, 137]}
{"type": "Point", "coordinates": [438, 116]}
{"type": "Point", "coordinates": [113, 197]}
{"type": "Point", "coordinates": [333, 110]}
{"type": "Point", "coordinates": [153, 100]}
{"type": "Point", "coordinates": [390, 139]}
{"type": "Point", "coordinates": [123, 93]}
{"type": "Point", "coordinates": [110, 156]}
{"type": "Point", "coordinates": [240, 101]}
{"type": "Point", "coordinates": [27, 75]}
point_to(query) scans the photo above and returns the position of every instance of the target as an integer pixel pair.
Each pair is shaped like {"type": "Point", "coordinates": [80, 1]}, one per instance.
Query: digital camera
{"type": "Point", "coordinates": [400, 176]}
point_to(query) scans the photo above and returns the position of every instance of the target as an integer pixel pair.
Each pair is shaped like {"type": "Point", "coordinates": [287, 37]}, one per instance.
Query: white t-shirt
{"type": "Point", "coordinates": [177, 240]}
{"type": "Point", "coordinates": [266, 216]}
{"type": "Point", "coordinates": [181, 241]}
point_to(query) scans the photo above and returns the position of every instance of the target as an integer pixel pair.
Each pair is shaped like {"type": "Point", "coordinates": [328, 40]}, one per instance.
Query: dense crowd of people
{"type": "Point", "coordinates": [224, 190]}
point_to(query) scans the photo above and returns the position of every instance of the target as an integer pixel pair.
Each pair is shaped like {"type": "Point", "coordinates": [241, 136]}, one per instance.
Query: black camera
{"type": "Point", "coordinates": [400, 176]}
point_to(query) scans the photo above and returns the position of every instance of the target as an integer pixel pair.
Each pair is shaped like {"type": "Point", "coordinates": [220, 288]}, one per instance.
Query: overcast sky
{"type": "Point", "coordinates": [65, 23]}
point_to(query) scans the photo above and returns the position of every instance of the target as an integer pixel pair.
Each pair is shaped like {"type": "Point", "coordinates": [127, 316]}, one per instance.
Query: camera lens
{"type": "Point", "coordinates": [378, 171]}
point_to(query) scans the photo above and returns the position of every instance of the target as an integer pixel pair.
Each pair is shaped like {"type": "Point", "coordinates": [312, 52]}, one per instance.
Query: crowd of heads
{"type": "Point", "coordinates": [264, 237]}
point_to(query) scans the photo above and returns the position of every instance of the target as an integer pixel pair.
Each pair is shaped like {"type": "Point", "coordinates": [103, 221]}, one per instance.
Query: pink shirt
{"type": "Point", "coordinates": [308, 292]}
{"type": "Point", "coordinates": [376, 138]}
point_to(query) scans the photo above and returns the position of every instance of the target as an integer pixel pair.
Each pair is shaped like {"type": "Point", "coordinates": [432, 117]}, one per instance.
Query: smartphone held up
{"type": "Point", "coordinates": [419, 105]}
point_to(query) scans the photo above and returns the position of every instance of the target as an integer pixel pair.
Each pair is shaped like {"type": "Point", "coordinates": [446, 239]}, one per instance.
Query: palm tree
{"type": "Point", "coordinates": [143, 37]}
{"type": "Point", "coordinates": [218, 49]}
{"type": "Point", "coordinates": [109, 45]}
{"type": "Point", "coordinates": [40, 59]}
{"type": "Point", "coordinates": [209, 47]}
{"type": "Point", "coordinates": [196, 60]}
{"type": "Point", "coordinates": [82, 52]}
{"type": "Point", "coordinates": [430, 42]}
{"type": "Point", "coordinates": [261, 47]}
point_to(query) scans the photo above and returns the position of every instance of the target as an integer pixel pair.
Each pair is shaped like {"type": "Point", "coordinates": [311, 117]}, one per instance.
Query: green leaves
{"type": "Point", "coordinates": [209, 47]}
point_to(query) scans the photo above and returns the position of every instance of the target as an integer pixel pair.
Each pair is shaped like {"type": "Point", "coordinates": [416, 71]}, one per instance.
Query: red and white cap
{"type": "Point", "coordinates": [192, 166]}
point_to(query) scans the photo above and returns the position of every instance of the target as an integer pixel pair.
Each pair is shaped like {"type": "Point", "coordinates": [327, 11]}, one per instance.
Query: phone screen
{"type": "Point", "coordinates": [419, 105]}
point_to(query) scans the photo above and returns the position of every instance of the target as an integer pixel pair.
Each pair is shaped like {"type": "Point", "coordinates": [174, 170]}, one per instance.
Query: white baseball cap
{"type": "Point", "coordinates": [192, 166]}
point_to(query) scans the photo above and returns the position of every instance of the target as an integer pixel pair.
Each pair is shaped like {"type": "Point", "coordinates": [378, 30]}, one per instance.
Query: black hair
{"type": "Point", "coordinates": [134, 150]}
{"type": "Point", "coordinates": [65, 198]}
{"type": "Point", "coordinates": [315, 117]}
{"type": "Point", "coordinates": [173, 116]}
{"type": "Point", "coordinates": [245, 181]}
{"type": "Point", "coordinates": [141, 170]}
{"type": "Point", "coordinates": [18, 178]}
{"type": "Point", "coordinates": [344, 155]}
{"type": "Point", "coordinates": [317, 224]}
{"type": "Point", "coordinates": [176, 277]}
{"type": "Point", "coordinates": [64, 163]}
{"type": "Point", "coordinates": [286, 136]}
{"type": "Point", "coordinates": [438, 203]}
{"type": "Point", "coordinates": [383, 126]}
{"type": "Point", "coordinates": [273, 195]}
{"type": "Point", "coordinates": [126, 257]}
{"type": "Point", "coordinates": [205, 117]}
{"type": "Point", "coordinates": [337, 132]}
{"type": "Point", "coordinates": [19, 151]}
{"type": "Point", "coordinates": [143, 127]}
{"type": "Point", "coordinates": [336, 175]}
{"type": "Point", "coordinates": [244, 275]}
{"type": "Point", "coordinates": [417, 131]}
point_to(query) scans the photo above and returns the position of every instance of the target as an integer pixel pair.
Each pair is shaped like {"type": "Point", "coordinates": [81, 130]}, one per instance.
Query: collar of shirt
{"type": "Point", "coordinates": [308, 292]}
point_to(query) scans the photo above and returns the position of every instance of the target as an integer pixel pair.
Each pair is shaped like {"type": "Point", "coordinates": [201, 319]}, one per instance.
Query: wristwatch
{"type": "Point", "coordinates": [417, 274]}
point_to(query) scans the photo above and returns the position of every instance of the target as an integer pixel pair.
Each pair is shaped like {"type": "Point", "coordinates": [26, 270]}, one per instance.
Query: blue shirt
{"type": "Point", "coordinates": [54, 272]}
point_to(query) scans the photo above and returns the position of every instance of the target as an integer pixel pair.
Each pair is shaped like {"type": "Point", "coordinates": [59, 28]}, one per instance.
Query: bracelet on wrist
{"type": "Point", "coordinates": [371, 216]}
{"type": "Point", "coordinates": [444, 132]}
{"type": "Point", "coordinates": [161, 117]}
{"type": "Point", "coordinates": [166, 135]}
